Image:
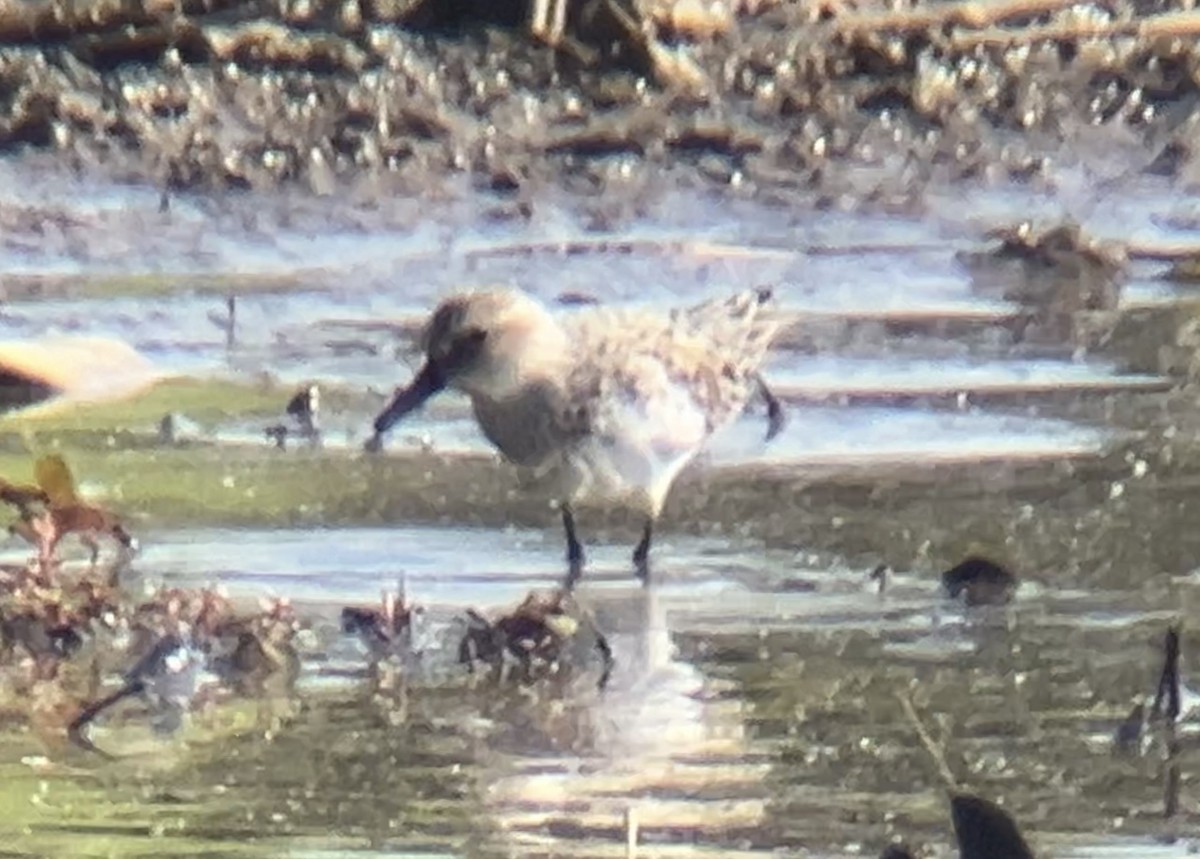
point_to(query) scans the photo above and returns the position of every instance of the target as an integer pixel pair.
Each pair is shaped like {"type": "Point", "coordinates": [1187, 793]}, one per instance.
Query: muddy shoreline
{"type": "Point", "coordinates": [1028, 395]}
{"type": "Point", "coordinates": [369, 101]}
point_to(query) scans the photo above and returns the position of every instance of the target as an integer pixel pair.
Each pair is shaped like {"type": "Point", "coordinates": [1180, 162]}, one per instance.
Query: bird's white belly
{"type": "Point", "coordinates": [640, 450]}
{"type": "Point", "coordinates": [619, 471]}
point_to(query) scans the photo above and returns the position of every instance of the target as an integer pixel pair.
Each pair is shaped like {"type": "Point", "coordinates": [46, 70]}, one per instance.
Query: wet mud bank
{"type": "Point", "coordinates": [1112, 520]}
{"type": "Point", "coordinates": [816, 102]}
{"type": "Point", "coordinates": [960, 382]}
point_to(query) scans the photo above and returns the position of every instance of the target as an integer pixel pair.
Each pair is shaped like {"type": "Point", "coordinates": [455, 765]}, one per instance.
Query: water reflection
{"type": "Point", "coordinates": [653, 745]}
{"type": "Point", "coordinates": [752, 708]}
{"type": "Point", "coordinates": [738, 717]}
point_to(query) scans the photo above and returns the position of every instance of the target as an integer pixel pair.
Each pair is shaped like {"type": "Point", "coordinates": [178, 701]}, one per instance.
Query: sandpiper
{"type": "Point", "coordinates": [305, 409]}
{"type": "Point", "coordinates": [597, 401]}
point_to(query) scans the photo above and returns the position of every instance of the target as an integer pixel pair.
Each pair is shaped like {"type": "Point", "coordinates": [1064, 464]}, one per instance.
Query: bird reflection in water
{"type": "Point", "coordinates": [591, 764]}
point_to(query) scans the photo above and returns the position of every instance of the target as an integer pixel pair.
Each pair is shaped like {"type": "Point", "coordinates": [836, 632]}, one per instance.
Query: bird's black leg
{"type": "Point", "coordinates": [776, 416]}
{"type": "Point", "coordinates": [641, 554]}
{"type": "Point", "coordinates": [574, 548]}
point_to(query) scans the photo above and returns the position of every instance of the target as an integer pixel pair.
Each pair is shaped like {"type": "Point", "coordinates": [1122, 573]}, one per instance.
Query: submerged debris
{"type": "Point", "coordinates": [389, 636]}
{"type": "Point", "coordinates": [575, 298]}
{"type": "Point", "coordinates": [277, 433]}
{"type": "Point", "coordinates": [190, 648]}
{"type": "Point", "coordinates": [41, 628]}
{"type": "Point", "coordinates": [1168, 703]}
{"type": "Point", "coordinates": [245, 652]}
{"type": "Point", "coordinates": [979, 581]}
{"type": "Point", "coordinates": [537, 634]}
{"type": "Point", "coordinates": [182, 649]}
{"type": "Point", "coordinates": [1064, 248]}
{"type": "Point", "coordinates": [1057, 272]}
{"type": "Point", "coordinates": [176, 650]}
{"type": "Point", "coordinates": [1128, 736]}
{"type": "Point", "coordinates": [1068, 285]}
{"type": "Point", "coordinates": [1167, 707]}
{"type": "Point", "coordinates": [387, 631]}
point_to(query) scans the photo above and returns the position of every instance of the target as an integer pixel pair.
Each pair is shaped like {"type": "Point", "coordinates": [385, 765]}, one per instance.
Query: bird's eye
{"type": "Point", "coordinates": [464, 348]}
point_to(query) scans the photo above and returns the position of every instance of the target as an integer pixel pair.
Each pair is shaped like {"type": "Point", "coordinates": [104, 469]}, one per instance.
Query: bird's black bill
{"type": "Point", "coordinates": [427, 383]}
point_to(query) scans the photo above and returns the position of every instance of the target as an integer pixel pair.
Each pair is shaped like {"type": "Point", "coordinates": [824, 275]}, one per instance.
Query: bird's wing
{"type": "Point", "coordinates": [644, 395]}
{"type": "Point", "coordinates": [709, 353]}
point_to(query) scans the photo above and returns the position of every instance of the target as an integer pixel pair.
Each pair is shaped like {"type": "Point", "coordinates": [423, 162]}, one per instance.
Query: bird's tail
{"type": "Point", "coordinates": [738, 319]}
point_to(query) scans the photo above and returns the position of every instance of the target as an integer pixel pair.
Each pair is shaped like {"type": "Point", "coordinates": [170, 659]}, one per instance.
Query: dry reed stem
{"type": "Point", "coordinates": [1169, 25]}
{"type": "Point", "coordinates": [934, 750]}
{"type": "Point", "coordinates": [986, 18]}
{"type": "Point", "coordinates": [972, 13]}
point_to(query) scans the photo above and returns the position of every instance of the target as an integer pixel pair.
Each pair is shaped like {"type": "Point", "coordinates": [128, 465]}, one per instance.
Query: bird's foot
{"type": "Point", "coordinates": [574, 573]}
{"type": "Point", "coordinates": [574, 550]}
{"type": "Point", "coordinates": [641, 554]}
{"type": "Point", "coordinates": [641, 569]}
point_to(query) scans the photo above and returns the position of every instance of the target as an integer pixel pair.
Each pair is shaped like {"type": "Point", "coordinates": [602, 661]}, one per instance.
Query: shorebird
{"type": "Point", "coordinates": [595, 402]}
{"type": "Point", "coordinates": [305, 409]}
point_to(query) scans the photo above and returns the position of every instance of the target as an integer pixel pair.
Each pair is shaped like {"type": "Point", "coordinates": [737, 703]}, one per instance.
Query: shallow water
{"type": "Point", "coordinates": [752, 710]}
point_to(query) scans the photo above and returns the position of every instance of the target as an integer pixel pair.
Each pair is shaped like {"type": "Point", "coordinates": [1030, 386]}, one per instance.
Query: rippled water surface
{"type": "Point", "coordinates": [753, 709]}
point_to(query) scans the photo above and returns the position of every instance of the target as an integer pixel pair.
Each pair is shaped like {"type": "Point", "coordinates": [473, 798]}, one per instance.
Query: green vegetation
{"type": "Point", "coordinates": [148, 285]}
{"type": "Point", "coordinates": [208, 402]}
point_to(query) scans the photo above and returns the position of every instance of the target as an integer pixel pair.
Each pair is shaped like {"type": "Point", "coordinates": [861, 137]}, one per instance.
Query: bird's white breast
{"type": "Point", "coordinates": [642, 436]}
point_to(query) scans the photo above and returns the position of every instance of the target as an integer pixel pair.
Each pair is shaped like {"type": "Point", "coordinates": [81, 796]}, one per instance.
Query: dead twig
{"type": "Point", "coordinates": [934, 750]}
{"type": "Point", "coordinates": [671, 68]}
{"type": "Point", "coordinates": [1167, 25]}
{"type": "Point", "coordinates": [985, 20]}
{"type": "Point", "coordinates": [974, 14]}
